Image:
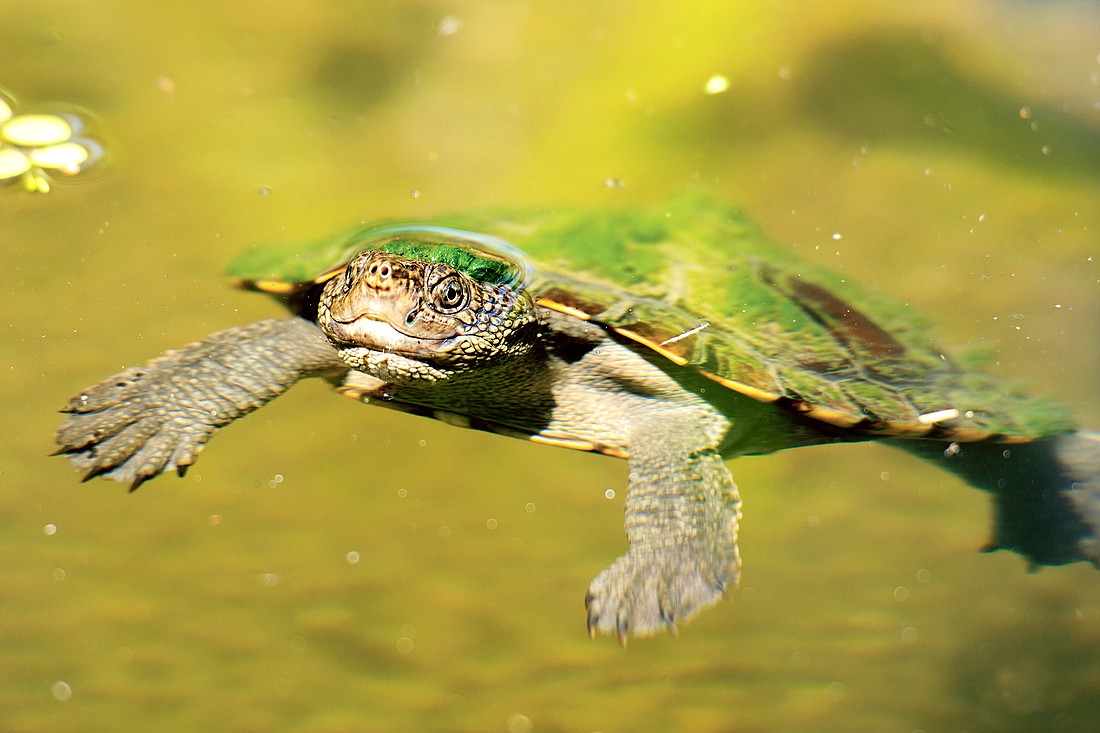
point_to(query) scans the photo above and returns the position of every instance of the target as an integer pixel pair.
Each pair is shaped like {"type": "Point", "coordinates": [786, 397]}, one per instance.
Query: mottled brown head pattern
{"type": "Point", "coordinates": [406, 316]}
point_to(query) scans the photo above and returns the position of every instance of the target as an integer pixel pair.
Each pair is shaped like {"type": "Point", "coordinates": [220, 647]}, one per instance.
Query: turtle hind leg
{"type": "Point", "coordinates": [146, 420]}
{"type": "Point", "coordinates": [1078, 461]}
{"type": "Point", "coordinates": [1046, 494]}
{"type": "Point", "coordinates": [682, 513]}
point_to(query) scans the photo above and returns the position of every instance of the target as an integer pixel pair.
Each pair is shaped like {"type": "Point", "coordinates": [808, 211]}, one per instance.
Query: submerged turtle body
{"type": "Point", "coordinates": [676, 338]}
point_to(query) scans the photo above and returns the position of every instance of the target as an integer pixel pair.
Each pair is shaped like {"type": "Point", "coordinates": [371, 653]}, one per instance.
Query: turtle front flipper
{"type": "Point", "coordinates": [145, 420]}
{"type": "Point", "coordinates": [682, 513]}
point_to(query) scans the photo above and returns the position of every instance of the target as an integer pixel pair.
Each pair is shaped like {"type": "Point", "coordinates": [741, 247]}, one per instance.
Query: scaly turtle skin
{"type": "Point", "coordinates": [677, 339]}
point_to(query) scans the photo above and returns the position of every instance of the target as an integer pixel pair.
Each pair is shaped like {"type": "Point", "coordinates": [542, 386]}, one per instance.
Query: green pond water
{"type": "Point", "coordinates": [327, 567]}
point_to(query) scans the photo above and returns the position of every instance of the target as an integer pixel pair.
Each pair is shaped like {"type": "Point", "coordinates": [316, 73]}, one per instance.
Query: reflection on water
{"type": "Point", "coordinates": [944, 153]}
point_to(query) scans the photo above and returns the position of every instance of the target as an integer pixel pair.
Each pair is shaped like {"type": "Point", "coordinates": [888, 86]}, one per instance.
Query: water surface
{"type": "Point", "coordinates": [327, 567]}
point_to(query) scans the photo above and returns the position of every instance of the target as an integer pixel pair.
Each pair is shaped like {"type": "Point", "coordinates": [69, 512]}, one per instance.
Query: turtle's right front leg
{"type": "Point", "coordinates": [682, 512]}
{"type": "Point", "coordinates": [149, 419]}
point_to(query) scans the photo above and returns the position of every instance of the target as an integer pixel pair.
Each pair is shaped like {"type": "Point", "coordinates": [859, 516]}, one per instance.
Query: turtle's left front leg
{"type": "Point", "coordinates": [682, 510]}
{"type": "Point", "coordinates": [148, 419]}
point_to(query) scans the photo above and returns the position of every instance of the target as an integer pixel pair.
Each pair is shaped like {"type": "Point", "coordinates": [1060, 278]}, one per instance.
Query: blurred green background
{"type": "Point", "coordinates": [326, 567]}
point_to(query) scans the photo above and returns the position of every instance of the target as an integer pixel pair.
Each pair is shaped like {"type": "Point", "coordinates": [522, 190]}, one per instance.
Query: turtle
{"type": "Point", "coordinates": [678, 337]}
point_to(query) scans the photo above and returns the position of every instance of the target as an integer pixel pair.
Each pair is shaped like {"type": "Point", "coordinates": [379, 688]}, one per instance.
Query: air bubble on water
{"type": "Point", "coordinates": [519, 723]}
{"type": "Point", "coordinates": [449, 25]}
{"type": "Point", "coordinates": [50, 529]}
{"type": "Point", "coordinates": [490, 523]}
{"type": "Point", "coordinates": [529, 507]}
{"type": "Point", "coordinates": [61, 691]}
{"type": "Point", "coordinates": [352, 558]}
{"type": "Point", "coordinates": [716, 84]}
{"type": "Point", "coordinates": [609, 494]}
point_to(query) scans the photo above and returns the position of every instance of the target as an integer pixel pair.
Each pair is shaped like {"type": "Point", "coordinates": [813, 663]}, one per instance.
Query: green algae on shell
{"type": "Point", "coordinates": [698, 284]}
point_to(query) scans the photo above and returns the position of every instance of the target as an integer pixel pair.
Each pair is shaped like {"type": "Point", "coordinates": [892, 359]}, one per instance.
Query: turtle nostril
{"type": "Point", "coordinates": [384, 271]}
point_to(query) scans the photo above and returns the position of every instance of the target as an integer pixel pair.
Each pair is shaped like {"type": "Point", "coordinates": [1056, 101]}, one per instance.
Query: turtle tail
{"type": "Point", "coordinates": [1046, 493]}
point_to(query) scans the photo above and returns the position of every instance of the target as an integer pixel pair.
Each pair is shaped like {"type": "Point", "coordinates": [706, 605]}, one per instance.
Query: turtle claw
{"type": "Point", "coordinates": [622, 624]}
{"type": "Point", "coordinates": [593, 620]}
{"type": "Point", "coordinates": [95, 471]}
{"type": "Point", "coordinates": [645, 591]}
{"type": "Point", "coordinates": [622, 630]}
{"type": "Point", "coordinates": [145, 420]}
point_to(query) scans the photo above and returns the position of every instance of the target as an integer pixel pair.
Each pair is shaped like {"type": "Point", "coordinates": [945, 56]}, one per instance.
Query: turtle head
{"type": "Point", "coordinates": [421, 310]}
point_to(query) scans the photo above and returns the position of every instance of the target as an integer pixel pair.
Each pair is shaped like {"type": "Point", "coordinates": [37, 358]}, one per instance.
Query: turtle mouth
{"type": "Point", "coordinates": [379, 333]}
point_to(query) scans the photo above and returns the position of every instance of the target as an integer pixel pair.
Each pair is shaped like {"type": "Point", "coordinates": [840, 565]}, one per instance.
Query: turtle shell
{"type": "Point", "coordinates": [696, 283]}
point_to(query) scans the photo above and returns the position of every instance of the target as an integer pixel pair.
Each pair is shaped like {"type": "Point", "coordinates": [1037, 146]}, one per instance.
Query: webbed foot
{"type": "Point", "coordinates": [146, 420]}
{"type": "Point", "coordinates": [682, 514]}
{"type": "Point", "coordinates": [127, 429]}
{"type": "Point", "coordinates": [646, 590]}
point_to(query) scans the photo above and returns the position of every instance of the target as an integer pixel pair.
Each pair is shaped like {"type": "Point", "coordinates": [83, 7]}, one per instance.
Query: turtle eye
{"type": "Point", "coordinates": [451, 294]}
